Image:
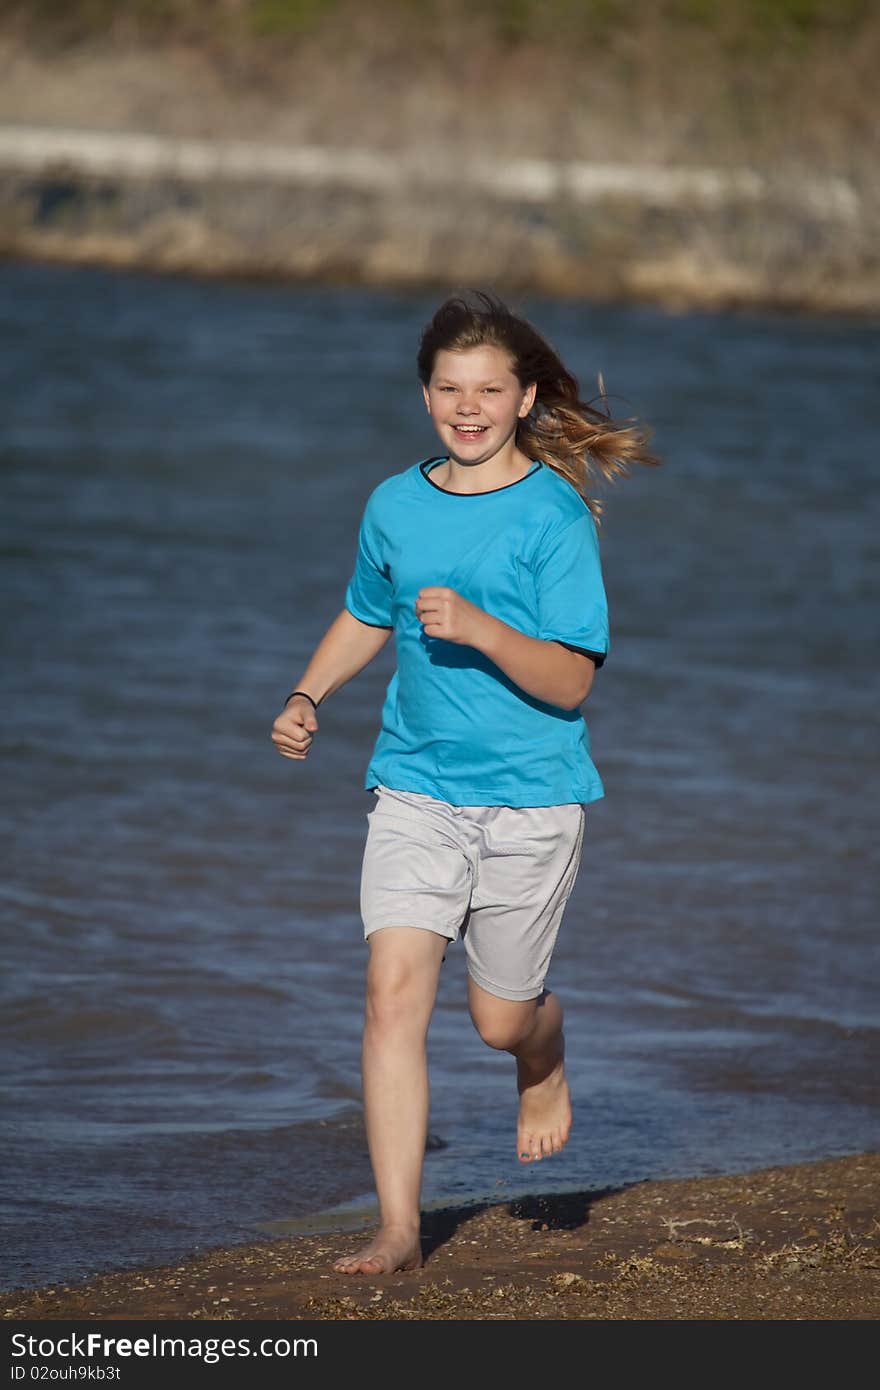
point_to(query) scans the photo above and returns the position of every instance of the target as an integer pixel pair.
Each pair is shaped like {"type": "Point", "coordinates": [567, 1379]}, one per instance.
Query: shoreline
{"type": "Point", "coordinates": [337, 151]}
{"type": "Point", "coordinates": [800, 1241]}
{"type": "Point", "coordinates": [676, 236]}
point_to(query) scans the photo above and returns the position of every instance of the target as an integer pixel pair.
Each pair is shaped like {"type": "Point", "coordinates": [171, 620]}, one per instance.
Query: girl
{"type": "Point", "coordinates": [484, 562]}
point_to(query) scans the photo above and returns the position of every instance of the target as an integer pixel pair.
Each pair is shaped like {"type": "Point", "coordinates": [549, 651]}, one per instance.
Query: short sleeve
{"type": "Point", "coordinates": [369, 591]}
{"type": "Point", "coordinates": [572, 606]}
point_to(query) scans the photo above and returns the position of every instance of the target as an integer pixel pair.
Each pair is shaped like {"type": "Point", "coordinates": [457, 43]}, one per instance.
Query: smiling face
{"type": "Point", "coordinates": [476, 402]}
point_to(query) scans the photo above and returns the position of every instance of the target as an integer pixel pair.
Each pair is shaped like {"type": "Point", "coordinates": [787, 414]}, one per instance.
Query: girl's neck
{"type": "Point", "coordinates": [495, 472]}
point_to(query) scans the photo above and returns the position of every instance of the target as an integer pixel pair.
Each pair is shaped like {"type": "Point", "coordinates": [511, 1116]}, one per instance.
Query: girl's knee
{"type": "Point", "coordinates": [401, 988]}
{"type": "Point", "coordinates": [392, 1004]}
{"type": "Point", "coordinates": [504, 1028]}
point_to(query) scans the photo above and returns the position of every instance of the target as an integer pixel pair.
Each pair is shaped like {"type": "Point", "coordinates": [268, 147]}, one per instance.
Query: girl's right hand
{"type": "Point", "coordinates": [293, 729]}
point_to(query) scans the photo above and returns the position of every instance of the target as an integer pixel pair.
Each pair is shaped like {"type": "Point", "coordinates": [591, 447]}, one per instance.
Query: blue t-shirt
{"type": "Point", "coordinates": [454, 726]}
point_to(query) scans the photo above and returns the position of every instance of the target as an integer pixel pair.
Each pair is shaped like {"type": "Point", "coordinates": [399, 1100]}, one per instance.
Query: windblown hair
{"type": "Point", "coordinates": [579, 442]}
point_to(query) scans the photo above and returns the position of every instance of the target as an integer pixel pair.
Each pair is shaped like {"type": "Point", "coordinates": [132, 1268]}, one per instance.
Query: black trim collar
{"type": "Point", "coordinates": [441, 458]}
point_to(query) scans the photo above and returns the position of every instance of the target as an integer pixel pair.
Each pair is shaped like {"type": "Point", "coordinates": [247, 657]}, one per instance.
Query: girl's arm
{"type": "Point", "coordinates": [546, 670]}
{"type": "Point", "coordinates": [541, 668]}
{"type": "Point", "coordinates": [346, 648]}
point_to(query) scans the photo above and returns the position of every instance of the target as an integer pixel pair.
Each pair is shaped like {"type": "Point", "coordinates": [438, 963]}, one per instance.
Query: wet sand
{"type": "Point", "coordinates": [780, 1243]}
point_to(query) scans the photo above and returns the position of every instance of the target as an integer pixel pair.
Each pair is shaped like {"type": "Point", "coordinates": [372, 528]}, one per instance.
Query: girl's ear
{"type": "Point", "coordinates": [427, 399]}
{"type": "Point", "coordinates": [528, 400]}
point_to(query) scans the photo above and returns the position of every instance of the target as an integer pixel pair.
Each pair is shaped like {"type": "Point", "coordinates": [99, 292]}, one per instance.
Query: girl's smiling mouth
{"type": "Point", "coordinates": [470, 431]}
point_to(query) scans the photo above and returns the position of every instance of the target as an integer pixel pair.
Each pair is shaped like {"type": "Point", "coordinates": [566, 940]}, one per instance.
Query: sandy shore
{"type": "Point", "coordinates": [779, 1243]}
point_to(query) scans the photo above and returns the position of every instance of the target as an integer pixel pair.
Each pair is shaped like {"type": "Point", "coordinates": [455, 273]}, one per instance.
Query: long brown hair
{"type": "Point", "coordinates": [571, 436]}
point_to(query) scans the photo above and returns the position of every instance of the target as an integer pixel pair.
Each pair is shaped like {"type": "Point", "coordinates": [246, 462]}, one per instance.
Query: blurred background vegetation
{"type": "Point", "coordinates": [742, 22]}
{"type": "Point", "coordinates": [786, 88]}
{"type": "Point", "coordinates": [664, 80]}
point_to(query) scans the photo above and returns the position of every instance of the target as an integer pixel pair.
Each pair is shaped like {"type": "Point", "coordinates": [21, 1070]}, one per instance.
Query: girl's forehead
{"type": "Point", "coordinates": [486, 360]}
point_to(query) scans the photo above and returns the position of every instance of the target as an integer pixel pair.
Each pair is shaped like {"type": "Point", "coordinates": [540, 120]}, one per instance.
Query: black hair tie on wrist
{"type": "Point", "coordinates": [299, 692]}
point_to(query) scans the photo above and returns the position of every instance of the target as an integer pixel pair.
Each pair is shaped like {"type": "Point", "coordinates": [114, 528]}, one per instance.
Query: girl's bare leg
{"type": "Point", "coordinates": [531, 1030]}
{"type": "Point", "coordinates": [401, 988]}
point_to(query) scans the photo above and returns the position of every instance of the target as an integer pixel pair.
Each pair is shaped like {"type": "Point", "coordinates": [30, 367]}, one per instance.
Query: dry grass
{"type": "Point", "coordinates": [784, 87]}
{"type": "Point", "coordinates": [763, 82]}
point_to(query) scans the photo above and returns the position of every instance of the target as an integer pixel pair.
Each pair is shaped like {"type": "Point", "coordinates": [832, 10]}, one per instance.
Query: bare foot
{"type": "Point", "coordinates": [544, 1110]}
{"type": "Point", "coordinates": [392, 1249]}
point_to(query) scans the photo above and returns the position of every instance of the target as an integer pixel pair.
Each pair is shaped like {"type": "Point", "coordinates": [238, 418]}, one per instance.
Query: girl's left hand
{"type": "Point", "coordinates": [444, 613]}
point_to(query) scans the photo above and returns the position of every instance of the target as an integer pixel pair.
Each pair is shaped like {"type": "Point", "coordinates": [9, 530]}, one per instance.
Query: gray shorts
{"type": "Point", "coordinates": [498, 876]}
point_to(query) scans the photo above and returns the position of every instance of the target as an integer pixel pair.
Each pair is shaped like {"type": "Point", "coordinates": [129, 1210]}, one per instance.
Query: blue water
{"type": "Point", "coordinates": [183, 467]}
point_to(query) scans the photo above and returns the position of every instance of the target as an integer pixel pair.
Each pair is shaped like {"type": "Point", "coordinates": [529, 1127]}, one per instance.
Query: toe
{"type": "Point", "coordinates": [356, 1264]}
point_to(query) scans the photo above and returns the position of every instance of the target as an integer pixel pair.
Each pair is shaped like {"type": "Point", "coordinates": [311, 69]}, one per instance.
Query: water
{"type": "Point", "coordinates": [183, 470]}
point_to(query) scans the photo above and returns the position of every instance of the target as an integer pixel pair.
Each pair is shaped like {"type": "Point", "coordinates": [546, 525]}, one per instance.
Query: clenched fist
{"type": "Point", "coordinates": [444, 613]}
{"type": "Point", "coordinates": [293, 729]}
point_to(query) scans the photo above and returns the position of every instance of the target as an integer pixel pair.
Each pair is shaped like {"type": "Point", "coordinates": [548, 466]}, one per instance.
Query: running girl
{"type": "Point", "coordinates": [484, 563]}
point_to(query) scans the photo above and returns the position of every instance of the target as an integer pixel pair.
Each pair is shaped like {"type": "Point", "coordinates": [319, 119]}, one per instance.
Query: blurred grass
{"type": "Point", "coordinates": [742, 24]}
{"type": "Point", "coordinates": [783, 87]}
{"type": "Point", "coordinates": [770, 83]}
